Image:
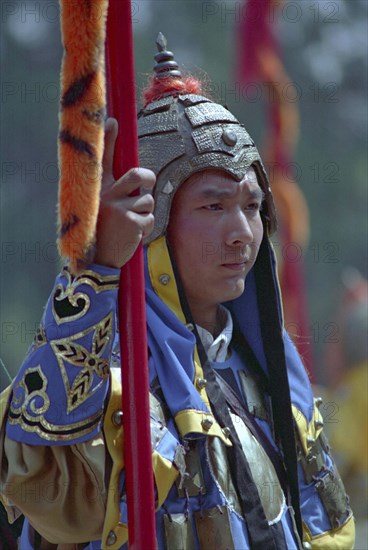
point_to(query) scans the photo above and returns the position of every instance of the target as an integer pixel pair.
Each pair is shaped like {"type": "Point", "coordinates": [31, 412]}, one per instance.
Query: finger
{"type": "Point", "coordinates": [132, 181]}
{"type": "Point", "coordinates": [145, 222]}
{"type": "Point", "coordinates": [148, 225]}
{"type": "Point", "coordinates": [140, 204]}
{"type": "Point", "coordinates": [111, 133]}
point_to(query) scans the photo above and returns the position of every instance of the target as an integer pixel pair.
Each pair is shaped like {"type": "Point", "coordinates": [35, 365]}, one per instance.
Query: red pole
{"type": "Point", "coordinates": [132, 313]}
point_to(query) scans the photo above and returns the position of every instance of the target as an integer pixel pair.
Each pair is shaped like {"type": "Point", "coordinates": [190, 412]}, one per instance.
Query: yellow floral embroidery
{"type": "Point", "coordinates": [67, 304]}
{"type": "Point", "coordinates": [29, 394]}
{"type": "Point", "coordinates": [68, 351]}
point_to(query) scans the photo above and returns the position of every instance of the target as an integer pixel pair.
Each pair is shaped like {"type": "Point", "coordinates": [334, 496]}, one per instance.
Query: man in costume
{"type": "Point", "coordinates": [239, 456]}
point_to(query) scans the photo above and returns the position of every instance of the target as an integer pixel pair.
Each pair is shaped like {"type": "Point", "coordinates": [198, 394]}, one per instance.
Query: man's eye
{"type": "Point", "coordinates": [254, 206]}
{"type": "Point", "coordinates": [213, 207]}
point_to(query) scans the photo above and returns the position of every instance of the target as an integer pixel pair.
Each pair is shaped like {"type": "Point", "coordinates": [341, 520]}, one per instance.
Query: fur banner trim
{"type": "Point", "coordinates": [81, 123]}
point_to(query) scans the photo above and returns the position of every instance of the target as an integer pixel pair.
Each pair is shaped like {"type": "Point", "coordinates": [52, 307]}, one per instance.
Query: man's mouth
{"type": "Point", "coordinates": [236, 266]}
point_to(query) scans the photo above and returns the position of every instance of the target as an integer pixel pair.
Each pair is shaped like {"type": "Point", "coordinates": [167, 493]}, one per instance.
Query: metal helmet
{"type": "Point", "coordinates": [182, 133]}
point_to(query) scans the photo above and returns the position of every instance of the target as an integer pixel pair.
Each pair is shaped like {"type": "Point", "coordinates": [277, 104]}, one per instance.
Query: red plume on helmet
{"type": "Point", "coordinates": [168, 79]}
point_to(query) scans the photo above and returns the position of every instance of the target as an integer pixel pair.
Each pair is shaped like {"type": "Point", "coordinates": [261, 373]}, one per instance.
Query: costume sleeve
{"type": "Point", "coordinates": [59, 392]}
{"type": "Point", "coordinates": [52, 452]}
{"type": "Point", "coordinates": [328, 522]}
{"type": "Point", "coordinates": [61, 437]}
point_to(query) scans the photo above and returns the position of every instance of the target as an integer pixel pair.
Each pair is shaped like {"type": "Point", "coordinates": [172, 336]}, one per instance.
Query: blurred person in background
{"type": "Point", "coordinates": [347, 376]}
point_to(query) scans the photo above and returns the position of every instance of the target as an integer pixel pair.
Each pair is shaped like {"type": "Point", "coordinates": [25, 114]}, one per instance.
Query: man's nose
{"type": "Point", "coordinates": [238, 230]}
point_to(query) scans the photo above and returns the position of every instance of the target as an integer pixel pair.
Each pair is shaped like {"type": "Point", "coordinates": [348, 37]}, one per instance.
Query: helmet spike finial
{"type": "Point", "coordinates": [166, 66]}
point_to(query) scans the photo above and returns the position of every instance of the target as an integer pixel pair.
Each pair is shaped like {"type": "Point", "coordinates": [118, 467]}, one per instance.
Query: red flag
{"type": "Point", "coordinates": [260, 62]}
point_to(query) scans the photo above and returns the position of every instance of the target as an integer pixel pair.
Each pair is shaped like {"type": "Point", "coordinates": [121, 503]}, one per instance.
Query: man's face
{"type": "Point", "coordinates": [215, 231]}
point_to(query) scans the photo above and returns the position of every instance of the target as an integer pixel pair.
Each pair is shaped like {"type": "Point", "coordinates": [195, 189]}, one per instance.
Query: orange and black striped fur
{"type": "Point", "coordinates": [81, 133]}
